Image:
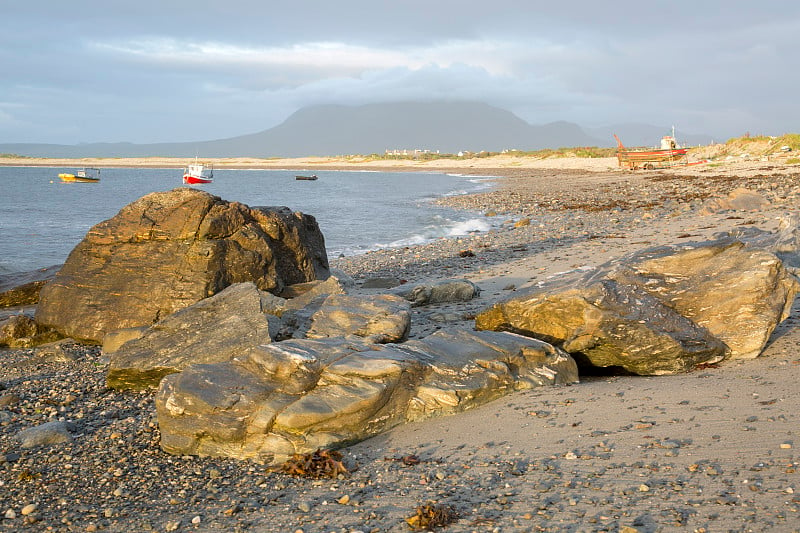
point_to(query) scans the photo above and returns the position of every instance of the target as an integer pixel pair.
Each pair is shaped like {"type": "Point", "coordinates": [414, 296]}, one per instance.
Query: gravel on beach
{"type": "Point", "coordinates": [713, 450]}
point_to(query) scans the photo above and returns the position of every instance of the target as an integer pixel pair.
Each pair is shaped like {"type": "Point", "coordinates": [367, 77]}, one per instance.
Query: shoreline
{"type": "Point", "coordinates": [503, 164]}
{"type": "Point", "coordinates": [711, 450]}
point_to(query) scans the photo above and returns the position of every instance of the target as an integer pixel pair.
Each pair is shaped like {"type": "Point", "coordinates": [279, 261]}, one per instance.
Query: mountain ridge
{"type": "Point", "coordinates": [332, 129]}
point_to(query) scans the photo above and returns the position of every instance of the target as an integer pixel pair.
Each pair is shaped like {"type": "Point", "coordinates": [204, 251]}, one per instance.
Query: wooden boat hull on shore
{"type": "Point", "coordinates": [670, 155]}
{"type": "Point", "coordinates": [652, 159]}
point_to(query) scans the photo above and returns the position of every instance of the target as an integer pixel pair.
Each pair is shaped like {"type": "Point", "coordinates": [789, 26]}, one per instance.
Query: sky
{"type": "Point", "coordinates": [178, 71]}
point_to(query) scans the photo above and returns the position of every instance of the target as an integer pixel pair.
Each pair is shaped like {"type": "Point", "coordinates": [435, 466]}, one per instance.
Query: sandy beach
{"type": "Point", "coordinates": [711, 450]}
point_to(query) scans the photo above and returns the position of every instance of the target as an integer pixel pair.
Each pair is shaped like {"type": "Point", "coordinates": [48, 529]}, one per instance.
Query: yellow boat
{"type": "Point", "coordinates": [86, 175]}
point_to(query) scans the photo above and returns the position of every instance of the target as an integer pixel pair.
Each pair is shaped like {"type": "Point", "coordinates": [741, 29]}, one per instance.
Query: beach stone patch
{"type": "Point", "coordinates": [168, 250]}
{"type": "Point", "coordinates": [300, 395]}
{"type": "Point", "coordinates": [454, 290]}
{"type": "Point", "coordinates": [659, 311]}
{"type": "Point", "coordinates": [210, 331]}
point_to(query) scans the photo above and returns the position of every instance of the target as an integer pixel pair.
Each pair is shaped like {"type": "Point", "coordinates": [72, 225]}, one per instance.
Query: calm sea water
{"type": "Point", "coordinates": [42, 219]}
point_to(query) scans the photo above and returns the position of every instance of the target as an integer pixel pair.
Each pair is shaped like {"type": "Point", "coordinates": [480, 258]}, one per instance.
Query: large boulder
{"type": "Point", "coordinates": [303, 394]}
{"type": "Point", "coordinates": [211, 331]}
{"type": "Point", "coordinates": [659, 311]}
{"type": "Point", "coordinates": [168, 250]}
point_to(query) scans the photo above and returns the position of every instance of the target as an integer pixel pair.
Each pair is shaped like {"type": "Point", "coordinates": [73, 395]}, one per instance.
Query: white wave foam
{"type": "Point", "coordinates": [475, 225]}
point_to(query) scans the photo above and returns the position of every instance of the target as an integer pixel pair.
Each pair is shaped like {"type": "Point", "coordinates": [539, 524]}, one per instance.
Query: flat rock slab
{"type": "Point", "coordinates": [303, 394]}
{"type": "Point", "coordinates": [381, 318]}
{"type": "Point", "coordinates": [213, 330]}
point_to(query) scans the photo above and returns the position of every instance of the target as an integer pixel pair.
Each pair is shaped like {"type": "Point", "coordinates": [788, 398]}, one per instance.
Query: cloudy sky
{"type": "Point", "coordinates": [175, 70]}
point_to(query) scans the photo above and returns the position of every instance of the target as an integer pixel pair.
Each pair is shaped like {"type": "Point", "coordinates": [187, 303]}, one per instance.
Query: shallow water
{"type": "Point", "coordinates": [42, 219]}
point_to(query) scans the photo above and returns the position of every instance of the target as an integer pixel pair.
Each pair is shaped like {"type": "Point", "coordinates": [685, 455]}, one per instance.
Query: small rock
{"type": "Point", "coordinates": [45, 434]}
{"type": "Point", "coordinates": [304, 507]}
{"type": "Point", "coordinates": [28, 509]}
{"type": "Point", "coordinates": [344, 500]}
{"type": "Point", "coordinates": [10, 514]}
{"type": "Point", "coordinates": [7, 400]}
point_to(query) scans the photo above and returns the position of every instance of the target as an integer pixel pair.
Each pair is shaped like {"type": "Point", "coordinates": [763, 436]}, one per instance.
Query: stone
{"type": "Point", "coordinates": [659, 311]}
{"type": "Point", "coordinates": [21, 331]}
{"type": "Point", "coordinates": [345, 280]}
{"type": "Point", "coordinates": [210, 331]}
{"type": "Point", "coordinates": [381, 318]}
{"type": "Point", "coordinates": [303, 394]}
{"type": "Point", "coordinates": [301, 295]}
{"type": "Point", "coordinates": [784, 243]}
{"type": "Point", "coordinates": [169, 250]}
{"type": "Point", "coordinates": [740, 199]}
{"type": "Point", "coordinates": [454, 290]}
{"type": "Point", "coordinates": [22, 288]}
{"type": "Point", "coordinates": [523, 222]}
{"type": "Point", "coordinates": [46, 434]}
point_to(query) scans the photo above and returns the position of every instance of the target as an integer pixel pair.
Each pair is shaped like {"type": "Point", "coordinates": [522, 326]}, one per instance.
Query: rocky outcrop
{"type": "Point", "coordinates": [168, 250]}
{"type": "Point", "coordinates": [659, 311]}
{"type": "Point", "coordinates": [299, 395]}
{"type": "Point", "coordinates": [240, 318]}
{"type": "Point", "coordinates": [211, 331]}
{"type": "Point", "coordinates": [22, 288]}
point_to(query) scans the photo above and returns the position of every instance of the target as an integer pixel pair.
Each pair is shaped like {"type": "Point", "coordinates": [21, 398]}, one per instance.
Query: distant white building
{"type": "Point", "coordinates": [407, 152]}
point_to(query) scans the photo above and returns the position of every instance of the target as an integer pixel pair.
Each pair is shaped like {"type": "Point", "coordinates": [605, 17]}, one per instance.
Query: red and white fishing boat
{"type": "Point", "coordinates": [197, 172]}
{"type": "Point", "coordinates": [670, 155]}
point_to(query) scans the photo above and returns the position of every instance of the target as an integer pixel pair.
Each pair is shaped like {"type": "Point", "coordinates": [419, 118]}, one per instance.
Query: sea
{"type": "Point", "coordinates": [42, 219]}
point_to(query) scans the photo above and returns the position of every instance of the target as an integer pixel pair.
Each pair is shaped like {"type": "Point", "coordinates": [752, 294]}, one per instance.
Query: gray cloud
{"type": "Point", "coordinates": [151, 71]}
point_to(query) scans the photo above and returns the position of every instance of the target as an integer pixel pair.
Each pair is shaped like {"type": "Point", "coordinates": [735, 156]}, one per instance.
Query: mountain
{"type": "Point", "coordinates": [447, 127]}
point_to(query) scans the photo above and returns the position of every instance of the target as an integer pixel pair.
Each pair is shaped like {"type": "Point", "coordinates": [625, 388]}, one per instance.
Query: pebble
{"type": "Point", "coordinates": [28, 509]}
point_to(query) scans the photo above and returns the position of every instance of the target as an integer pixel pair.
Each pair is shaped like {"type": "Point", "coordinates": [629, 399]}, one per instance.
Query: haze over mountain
{"type": "Point", "coordinates": [324, 130]}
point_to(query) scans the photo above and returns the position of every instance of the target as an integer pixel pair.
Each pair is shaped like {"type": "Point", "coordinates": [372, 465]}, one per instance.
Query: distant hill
{"type": "Point", "coordinates": [447, 127]}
